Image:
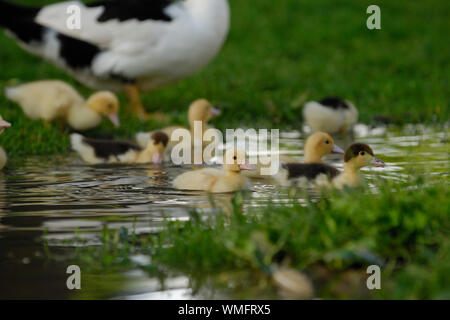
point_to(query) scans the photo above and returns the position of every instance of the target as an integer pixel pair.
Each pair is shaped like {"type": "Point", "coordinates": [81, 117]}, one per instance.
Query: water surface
{"type": "Point", "coordinates": [63, 200]}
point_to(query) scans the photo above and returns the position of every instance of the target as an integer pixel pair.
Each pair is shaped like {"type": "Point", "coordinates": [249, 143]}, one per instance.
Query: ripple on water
{"type": "Point", "coordinates": [73, 201]}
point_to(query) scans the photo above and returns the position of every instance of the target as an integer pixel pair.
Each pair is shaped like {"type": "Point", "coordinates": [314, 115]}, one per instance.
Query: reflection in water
{"type": "Point", "coordinates": [71, 201]}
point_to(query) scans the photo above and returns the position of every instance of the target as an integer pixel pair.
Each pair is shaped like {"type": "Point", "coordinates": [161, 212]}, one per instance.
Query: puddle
{"type": "Point", "coordinates": [63, 200]}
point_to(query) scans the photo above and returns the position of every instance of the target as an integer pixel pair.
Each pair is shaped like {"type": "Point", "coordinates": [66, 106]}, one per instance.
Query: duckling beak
{"type": "Point", "coordinates": [377, 162]}
{"type": "Point", "coordinates": [4, 124]}
{"type": "Point", "coordinates": [157, 158]}
{"type": "Point", "coordinates": [337, 149]}
{"type": "Point", "coordinates": [246, 166]}
{"type": "Point", "coordinates": [114, 118]}
{"type": "Point", "coordinates": [215, 112]}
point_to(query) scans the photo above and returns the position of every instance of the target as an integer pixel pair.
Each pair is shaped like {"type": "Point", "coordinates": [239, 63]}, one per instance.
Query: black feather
{"type": "Point", "coordinates": [334, 103]}
{"type": "Point", "coordinates": [133, 9]}
{"type": "Point", "coordinates": [106, 148]}
{"type": "Point", "coordinates": [309, 170]}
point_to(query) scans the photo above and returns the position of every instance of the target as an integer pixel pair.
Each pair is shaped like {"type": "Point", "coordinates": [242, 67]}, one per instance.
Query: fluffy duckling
{"type": "Point", "coordinates": [215, 180]}
{"type": "Point", "coordinates": [95, 151]}
{"type": "Point", "coordinates": [358, 155]}
{"type": "Point", "coordinates": [317, 146]}
{"type": "Point", "coordinates": [3, 158]}
{"type": "Point", "coordinates": [330, 115]}
{"type": "Point", "coordinates": [53, 99]}
{"type": "Point", "coordinates": [199, 110]}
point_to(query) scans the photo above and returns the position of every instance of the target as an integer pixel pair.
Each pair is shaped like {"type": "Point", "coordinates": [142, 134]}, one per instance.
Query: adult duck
{"type": "Point", "coordinates": [133, 45]}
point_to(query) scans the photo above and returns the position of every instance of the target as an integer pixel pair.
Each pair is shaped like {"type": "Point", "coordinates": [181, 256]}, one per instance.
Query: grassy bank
{"type": "Point", "coordinates": [332, 240]}
{"type": "Point", "coordinates": [277, 51]}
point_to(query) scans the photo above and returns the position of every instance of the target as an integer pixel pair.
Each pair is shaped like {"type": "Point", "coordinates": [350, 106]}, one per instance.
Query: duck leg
{"type": "Point", "coordinates": [132, 92]}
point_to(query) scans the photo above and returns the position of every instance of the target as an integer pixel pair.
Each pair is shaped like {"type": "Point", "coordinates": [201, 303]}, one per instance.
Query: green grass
{"type": "Point", "coordinates": [332, 239]}
{"type": "Point", "coordinates": [277, 51]}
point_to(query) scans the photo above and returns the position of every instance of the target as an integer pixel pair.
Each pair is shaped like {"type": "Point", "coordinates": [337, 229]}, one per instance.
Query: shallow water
{"type": "Point", "coordinates": [62, 200]}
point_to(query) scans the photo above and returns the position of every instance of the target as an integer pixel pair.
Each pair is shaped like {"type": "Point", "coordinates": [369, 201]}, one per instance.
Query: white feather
{"type": "Point", "coordinates": [155, 52]}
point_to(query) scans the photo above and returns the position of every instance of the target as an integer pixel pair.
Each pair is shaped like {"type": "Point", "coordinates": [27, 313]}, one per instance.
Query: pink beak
{"type": "Point", "coordinates": [246, 166]}
{"type": "Point", "coordinates": [114, 118]}
{"type": "Point", "coordinates": [157, 158]}
{"type": "Point", "coordinates": [4, 124]}
{"type": "Point", "coordinates": [215, 112]}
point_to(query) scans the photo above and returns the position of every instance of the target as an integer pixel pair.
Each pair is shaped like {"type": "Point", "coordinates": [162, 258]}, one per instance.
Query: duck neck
{"type": "Point", "coordinates": [351, 169]}
{"type": "Point", "coordinates": [310, 157]}
{"type": "Point", "coordinates": [82, 117]}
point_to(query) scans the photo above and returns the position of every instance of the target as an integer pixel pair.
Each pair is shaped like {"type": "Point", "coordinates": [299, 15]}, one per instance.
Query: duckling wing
{"type": "Point", "coordinates": [198, 180]}
{"type": "Point", "coordinates": [309, 170]}
{"type": "Point", "coordinates": [44, 99]}
{"type": "Point", "coordinates": [106, 150]}
{"type": "Point", "coordinates": [104, 23]}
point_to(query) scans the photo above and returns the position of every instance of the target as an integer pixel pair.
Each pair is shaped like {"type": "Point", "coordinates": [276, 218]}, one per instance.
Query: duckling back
{"type": "Point", "coordinates": [48, 99]}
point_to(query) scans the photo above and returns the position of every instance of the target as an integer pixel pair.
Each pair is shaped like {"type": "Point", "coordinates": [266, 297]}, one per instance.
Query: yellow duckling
{"type": "Point", "coordinates": [53, 99]}
{"type": "Point", "coordinates": [358, 155]}
{"type": "Point", "coordinates": [94, 151]}
{"type": "Point", "coordinates": [317, 146]}
{"type": "Point", "coordinates": [3, 158]}
{"type": "Point", "coordinates": [200, 110]}
{"type": "Point", "coordinates": [215, 180]}
{"type": "Point", "coordinates": [330, 115]}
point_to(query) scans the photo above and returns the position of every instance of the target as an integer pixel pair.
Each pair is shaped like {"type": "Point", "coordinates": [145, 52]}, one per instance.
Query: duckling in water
{"type": "Point", "coordinates": [215, 180]}
{"type": "Point", "coordinates": [199, 110]}
{"type": "Point", "coordinates": [330, 115]}
{"type": "Point", "coordinates": [317, 146]}
{"type": "Point", "coordinates": [95, 151]}
{"type": "Point", "coordinates": [52, 99]}
{"type": "Point", "coordinates": [358, 155]}
{"type": "Point", "coordinates": [3, 158]}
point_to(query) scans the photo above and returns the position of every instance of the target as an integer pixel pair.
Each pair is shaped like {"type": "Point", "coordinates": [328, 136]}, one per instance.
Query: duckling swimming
{"type": "Point", "coordinates": [215, 180]}
{"type": "Point", "coordinates": [53, 99]}
{"type": "Point", "coordinates": [330, 115]}
{"type": "Point", "coordinates": [200, 110]}
{"type": "Point", "coordinates": [3, 158]}
{"type": "Point", "coordinates": [95, 151]}
{"type": "Point", "coordinates": [358, 155]}
{"type": "Point", "coordinates": [317, 146]}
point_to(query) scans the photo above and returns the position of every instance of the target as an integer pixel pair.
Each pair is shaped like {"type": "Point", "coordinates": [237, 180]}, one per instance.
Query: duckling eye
{"type": "Point", "coordinates": [327, 142]}
{"type": "Point", "coordinates": [362, 153]}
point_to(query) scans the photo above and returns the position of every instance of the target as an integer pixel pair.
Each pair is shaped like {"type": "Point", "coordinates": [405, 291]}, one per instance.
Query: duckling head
{"type": "Point", "coordinates": [320, 144]}
{"type": "Point", "coordinates": [201, 110]}
{"type": "Point", "coordinates": [156, 146]}
{"type": "Point", "coordinates": [235, 160]}
{"type": "Point", "coordinates": [4, 124]}
{"type": "Point", "coordinates": [361, 155]}
{"type": "Point", "coordinates": [106, 104]}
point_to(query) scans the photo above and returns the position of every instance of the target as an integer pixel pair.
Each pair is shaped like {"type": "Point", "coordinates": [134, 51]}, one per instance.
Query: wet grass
{"type": "Point", "coordinates": [332, 240]}
{"type": "Point", "coordinates": [275, 53]}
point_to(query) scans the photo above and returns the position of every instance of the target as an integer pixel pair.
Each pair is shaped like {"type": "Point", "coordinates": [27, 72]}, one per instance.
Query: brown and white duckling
{"type": "Point", "coordinates": [330, 115]}
{"type": "Point", "coordinates": [215, 180]}
{"type": "Point", "coordinates": [53, 99]}
{"type": "Point", "coordinates": [199, 110]}
{"type": "Point", "coordinates": [3, 158]}
{"type": "Point", "coordinates": [358, 155]}
{"type": "Point", "coordinates": [94, 151]}
{"type": "Point", "coordinates": [317, 146]}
